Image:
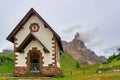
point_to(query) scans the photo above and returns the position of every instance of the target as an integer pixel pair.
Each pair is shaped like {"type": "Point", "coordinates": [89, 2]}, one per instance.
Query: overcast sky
{"type": "Point", "coordinates": [97, 21]}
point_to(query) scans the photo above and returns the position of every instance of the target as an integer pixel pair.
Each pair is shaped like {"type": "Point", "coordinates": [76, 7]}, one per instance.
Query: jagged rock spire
{"type": "Point", "coordinates": [77, 36]}
{"type": "Point", "coordinates": [80, 52]}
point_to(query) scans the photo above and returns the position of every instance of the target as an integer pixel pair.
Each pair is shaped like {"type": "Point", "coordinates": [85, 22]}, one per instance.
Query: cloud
{"type": "Point", "coordinates": [69, 32]}
{"type": "Point", "coordinates": [90, 37]}
{"type": "Point", "coordinates": [94, 43]}
{"type": "Point", "coordinates": [88, 34]}
{"type": "Point", "coordinates": [72, 29]}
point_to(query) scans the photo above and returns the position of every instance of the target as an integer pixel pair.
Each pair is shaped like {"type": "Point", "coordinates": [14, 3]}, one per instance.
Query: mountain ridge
{"type": "Point", "coordinates": [80, 52]}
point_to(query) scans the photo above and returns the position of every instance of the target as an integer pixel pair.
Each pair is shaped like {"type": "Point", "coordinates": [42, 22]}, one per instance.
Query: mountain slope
{"type": "Point", "coordinates": [79, 51]}
{"type": "Point", "coordinates": [67, 62]}
{"type": "Point", "coordinates": [113, 60]}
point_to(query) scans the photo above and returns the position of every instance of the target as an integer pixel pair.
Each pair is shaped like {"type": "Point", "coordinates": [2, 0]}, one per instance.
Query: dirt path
{"type": "Point", "coordinates": [32, 78]}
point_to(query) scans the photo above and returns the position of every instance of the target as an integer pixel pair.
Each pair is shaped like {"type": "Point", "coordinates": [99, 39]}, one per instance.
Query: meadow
{"type": "Point", "coordinates": [85, 72]}
{"type": "Point", "coordinates": [71, 70]}
{"type": "Point", "coordinates": [6, 67]}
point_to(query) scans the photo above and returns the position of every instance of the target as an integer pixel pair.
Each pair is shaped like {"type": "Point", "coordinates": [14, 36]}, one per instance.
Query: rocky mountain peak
{"type": "Point", "coordinates": [80, 52]}
{"type": "Point", "coordinates": [77, 36]}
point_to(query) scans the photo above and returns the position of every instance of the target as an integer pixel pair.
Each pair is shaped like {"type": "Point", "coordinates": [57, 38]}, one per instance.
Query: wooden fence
{"type": "Point", "coordinates": [109, 69]}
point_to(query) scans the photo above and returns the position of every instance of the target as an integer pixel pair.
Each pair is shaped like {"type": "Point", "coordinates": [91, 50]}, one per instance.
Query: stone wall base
{"type": "Point", "coordinates": [51, 71]}
{"type": "Point", "coordinates": [20, 71]}
{"type": "Point", "coordinates": [46, 71]}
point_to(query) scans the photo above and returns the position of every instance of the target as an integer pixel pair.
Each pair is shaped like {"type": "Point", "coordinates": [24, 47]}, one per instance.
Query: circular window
{"type": "Point", "coordinates": [34, 27]}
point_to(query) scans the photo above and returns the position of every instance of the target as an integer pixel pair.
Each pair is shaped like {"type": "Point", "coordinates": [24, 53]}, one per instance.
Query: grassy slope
{"type": "Point", "coordinates": [6, 67]}
{"type": "Point", "coordinates": [68, 64]}
{"type": "Point", "coordinates": [85, 72]}
{"type": "Point", "coordinates": [10, 55]}
{"type": "Point", "coordinates": [114, 62]}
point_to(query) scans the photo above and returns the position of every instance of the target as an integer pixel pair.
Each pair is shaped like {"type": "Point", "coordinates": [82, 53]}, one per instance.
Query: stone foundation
{"type": "Point", "coordinates": [47, 71]}
{"type": "Point", "coordinates": [51, 71]}
{"type": "Point", "coordinates": [20, 71]}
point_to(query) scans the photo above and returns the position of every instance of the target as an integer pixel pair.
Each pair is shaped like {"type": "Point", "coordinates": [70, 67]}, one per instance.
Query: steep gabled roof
{"type": "Point", "coordinates": [27, 40]}
{"type": "Point", "coordinates": [24, 20]}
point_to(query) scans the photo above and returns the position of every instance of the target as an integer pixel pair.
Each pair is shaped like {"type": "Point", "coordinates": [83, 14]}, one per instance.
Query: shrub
{"type": "Point", "coordinates": [77, 64]}
{"type": "Point", "coordinates": [118, 57]}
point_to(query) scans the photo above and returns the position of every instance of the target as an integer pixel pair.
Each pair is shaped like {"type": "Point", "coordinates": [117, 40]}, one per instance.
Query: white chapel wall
{"type": "Point", "coordinates": [44, 35]}
{"type": "Point", "coordinates": [21, 56]}
{"type": "Point", "coordinates": [20, 59]}
{"type": "Point", "coordinates": [57, 55]}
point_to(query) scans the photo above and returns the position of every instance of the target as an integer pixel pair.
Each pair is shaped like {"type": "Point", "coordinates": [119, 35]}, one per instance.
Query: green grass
{"type": "Point", "coordinates": [6, 67]}
{"type": "Point", "coordinates": [109, 76]}
{"type": "Point", "coordinates": [67, 62]}
{"type": "Point", "coordinates": [10, 55]}
{"type": "Point", "coordinates": [114, 62]}
{"type": "Point", "coordinates": [85, 72]}
{"type": "Point", "coordinates": [69, 69]}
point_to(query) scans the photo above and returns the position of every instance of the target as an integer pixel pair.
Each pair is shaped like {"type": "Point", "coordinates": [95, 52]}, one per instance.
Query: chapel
{"type": "Point", "coordinates": [37, 47]}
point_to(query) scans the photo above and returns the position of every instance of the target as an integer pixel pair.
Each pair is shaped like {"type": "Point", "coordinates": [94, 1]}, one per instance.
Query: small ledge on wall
{"type": "Point", "coordinates": [19, 50]}
{"type": "Point", "coordinates": [50, 65]}
{"type": "Point", "coordinates": [46, 50]}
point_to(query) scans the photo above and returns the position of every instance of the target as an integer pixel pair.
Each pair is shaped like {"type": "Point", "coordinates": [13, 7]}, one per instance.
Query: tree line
{"type": "Point", "coordinates": [117, 56]}
{"type": "Point", "coordinates": [5, 59]}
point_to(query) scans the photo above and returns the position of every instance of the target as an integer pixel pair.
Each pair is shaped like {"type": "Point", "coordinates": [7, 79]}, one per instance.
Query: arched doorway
{"type": "Point", "coordinates": [34, 62]}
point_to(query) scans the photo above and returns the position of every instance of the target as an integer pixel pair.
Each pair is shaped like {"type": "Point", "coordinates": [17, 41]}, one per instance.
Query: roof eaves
{"type": "Point", "coordinates": [20, 25]}
{"type": "Point", "coordinates": [28, 39]}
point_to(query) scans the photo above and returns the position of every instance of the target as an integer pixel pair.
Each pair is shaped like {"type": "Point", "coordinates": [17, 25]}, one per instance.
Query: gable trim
{"type": "Point", "coordinates": [25, 19]}
{"type": "Point", "coordinates": [27, 40]}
